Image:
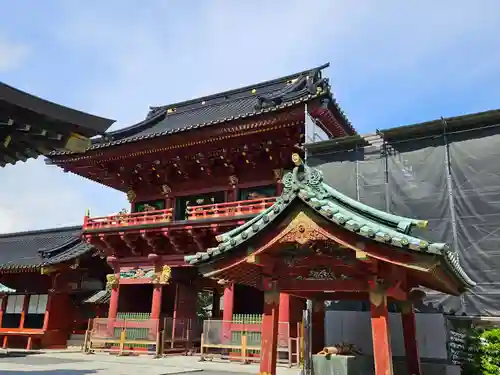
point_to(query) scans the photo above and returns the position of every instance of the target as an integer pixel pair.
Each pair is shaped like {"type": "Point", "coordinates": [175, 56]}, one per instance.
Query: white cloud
{"type": "Point", "coordinates": [12, 54]}
{"type": "Point", "coordinates": [160, 52]}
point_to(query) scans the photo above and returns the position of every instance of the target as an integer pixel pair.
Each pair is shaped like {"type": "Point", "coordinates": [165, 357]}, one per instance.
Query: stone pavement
{"type": "Point", "coordinates": [71, 363]}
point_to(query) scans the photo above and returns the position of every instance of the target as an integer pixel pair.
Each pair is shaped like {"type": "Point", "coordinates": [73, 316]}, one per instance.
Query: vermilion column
{"type": "Point", "coordinates": [156, 301]}
{"type": "Point", "coordinates": [410, 338]}
{"type": "Point", "coordinates": [113, 302]}
{"type": "Point", "coordinates": [46, 316]}
{"type": "Point", "coordinates": [382, 352]}
{"type": "Point", "coordinates": [3, 304]}
{"type": "Point", "coordinates": [115, 292]}
{"type": "Point", "coordinates": [270, 325]}
{"type": "Point", "coordinates": [284, 314]}
{"type": "Point", "coordinates": [157, 289]}
{"type": "Point", "coordinates": [24, 311]}
{"type": "Point", "coordinates": [227, 313]}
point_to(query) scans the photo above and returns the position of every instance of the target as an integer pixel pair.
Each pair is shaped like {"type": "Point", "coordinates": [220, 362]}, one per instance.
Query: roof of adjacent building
{"type": "Point", "coordinates": [31, 126]}
{"type": "Point", "coordinates": [443, 125]}
{"type": "Point", "coordinates": [87, 124]}
{"type": "Point", "coordinates": [99, 297]}
{"type": "Point", "coordinates": [5, 289]}
{"type": "Point", "coordinates": [35, 249]}
{"type": "Point", "coordinates": [306, 184]}
{"type": "Point", "coordinates": [241, 103]}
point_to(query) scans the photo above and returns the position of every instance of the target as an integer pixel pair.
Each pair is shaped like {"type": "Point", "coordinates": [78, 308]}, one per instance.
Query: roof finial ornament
{"type": "Point", "coordinates": [297, 160]}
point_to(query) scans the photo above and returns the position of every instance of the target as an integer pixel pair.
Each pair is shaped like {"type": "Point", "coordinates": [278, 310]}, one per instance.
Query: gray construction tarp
{"type": "Point", "coordinates": [452, 180]}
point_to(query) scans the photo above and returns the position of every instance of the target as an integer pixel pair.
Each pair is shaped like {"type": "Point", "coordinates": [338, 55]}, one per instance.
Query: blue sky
{"type": "Point", "coordinates": [392, 63]}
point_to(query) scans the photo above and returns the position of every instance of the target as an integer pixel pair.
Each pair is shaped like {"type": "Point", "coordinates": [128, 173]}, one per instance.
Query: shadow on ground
{"type": "Point", "coordinates": [17, 354]}
{"type": "Point", "coordinates": [49, 372]}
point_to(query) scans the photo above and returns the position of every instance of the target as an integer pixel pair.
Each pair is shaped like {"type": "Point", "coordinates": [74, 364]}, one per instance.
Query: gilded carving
{"type": "Point", "coordinates": [131, 195]}
{"type": "Point", "coordinates": [302, 230]}
{"type": "Point", "coordinates": [297, 160]}
{"type": "Point", "coordinates": [46, 270]}
{"type": "Point", "coordinates": [165, 275]}
{"type": "Point", "coordinates": [111, 281]}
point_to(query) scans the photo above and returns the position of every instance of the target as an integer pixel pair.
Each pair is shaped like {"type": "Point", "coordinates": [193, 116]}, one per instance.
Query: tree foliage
{"type": "Point", "coordinates": [485, 343]}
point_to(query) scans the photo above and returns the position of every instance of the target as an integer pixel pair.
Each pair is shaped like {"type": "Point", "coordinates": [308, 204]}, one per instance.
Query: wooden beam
{"type": "Point", "coordinates": [294, 285]}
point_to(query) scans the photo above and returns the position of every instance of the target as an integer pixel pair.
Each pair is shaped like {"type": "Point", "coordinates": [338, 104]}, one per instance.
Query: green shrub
{"type": "Point", "coordinates": [490, 351]}
{"type": "Point", "coordinates": [485, 343]}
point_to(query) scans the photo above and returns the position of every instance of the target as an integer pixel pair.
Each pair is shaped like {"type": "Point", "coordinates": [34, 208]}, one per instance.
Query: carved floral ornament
{"type": "Point", "coordinates": [302, 230]}
{"type": "Point", "coordinates": [131, 195]}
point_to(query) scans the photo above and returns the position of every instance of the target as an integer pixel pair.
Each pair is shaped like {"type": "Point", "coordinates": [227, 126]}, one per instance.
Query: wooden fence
{"type": "Point", "coordinates": [137, 333]}
{"type": "Point", "coordinates": [241, 341]}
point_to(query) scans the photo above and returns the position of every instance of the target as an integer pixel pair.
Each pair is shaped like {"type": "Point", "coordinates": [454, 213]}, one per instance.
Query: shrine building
{"type": "Point", "coordinates": [45, 277]}
{"type": "Point", "coordinates": [315, 243]}
{"type": "Point", "coordinates": [191, 171]}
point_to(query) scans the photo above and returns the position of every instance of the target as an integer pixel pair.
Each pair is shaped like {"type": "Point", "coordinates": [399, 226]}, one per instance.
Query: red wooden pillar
{"type": "Point", "coordinates": [156, 301]}
{"type": "Point", "coordinates": [46, 316]}
{"type": "Point", "coordinates": [290, 313]}
{"type": "Point", "coordinates": [410, 338]}
{"type": "Point", "coordinates": [270, 326]}
{"type": "Point", "coordinates": [157, 288]}
{"type": "Point", "coordinates": [318, 326]}
{"type": "Point", "coordinates": [115, 291]}
{"type": "Point", "coordinates": [382, 352]}
{"type": "Point", "coordinates": [227, 313]}
{"type": "Point", "coordinates": [24, 312]}
{"type": "Point", "coordinates": [3, 304]}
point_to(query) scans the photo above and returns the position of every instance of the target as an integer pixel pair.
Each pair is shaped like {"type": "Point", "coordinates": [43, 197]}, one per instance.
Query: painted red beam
{"type": "Point", "coordinates": [294, 285]}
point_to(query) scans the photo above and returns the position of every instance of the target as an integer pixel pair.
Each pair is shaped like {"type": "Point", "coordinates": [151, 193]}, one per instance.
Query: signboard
{"type": "Point", "coordinates": [459, 338]}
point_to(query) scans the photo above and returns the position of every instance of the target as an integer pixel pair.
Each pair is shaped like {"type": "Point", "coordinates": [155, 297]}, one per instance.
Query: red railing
{"type": "Point", "coordinates": [136, 218]}
{"type": "Point", "coordinates": [248, 207]}
{"type": "Point", "coordinates": [228, 209]}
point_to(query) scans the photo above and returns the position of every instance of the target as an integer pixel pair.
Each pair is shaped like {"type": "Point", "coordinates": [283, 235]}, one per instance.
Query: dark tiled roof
{"type": "Point", "coordinates": [5, 289]}
{"type": "Point", "coordinates": [100, 297]}
{"type": "Point", "coordinates": [306, 184]}
{"type": "Point", "coordinates": [31, 250]}
{"type": "Point", "coordinates": [87, 124]}
{"type": "Point", "coordinates": [227, 106]}
{"type": "Point", "coordinates": [30, 126]}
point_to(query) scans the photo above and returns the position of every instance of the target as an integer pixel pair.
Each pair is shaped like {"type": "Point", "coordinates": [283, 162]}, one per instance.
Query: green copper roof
{"type": "Point", "coordinates": [306, 184]}
{"type": "Point", "coordinates": [5, 289]}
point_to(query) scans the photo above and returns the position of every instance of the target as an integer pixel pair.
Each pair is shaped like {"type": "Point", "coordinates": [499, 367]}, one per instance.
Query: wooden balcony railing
{"type": "Point", "coordinates": [136, 218]}
{"type": "Point", "coordinates": [228, 209]}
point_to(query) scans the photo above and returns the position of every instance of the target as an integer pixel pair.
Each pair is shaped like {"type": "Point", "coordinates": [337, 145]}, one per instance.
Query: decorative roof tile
{"type": "Point", "coordinates": [5, 289]}
{"type": "Point", "coordinates": [34, 249]}
{"type": "Point", "coordinates": [306, 184]}
{"type": "Point", "coordinates": [227, 106]}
